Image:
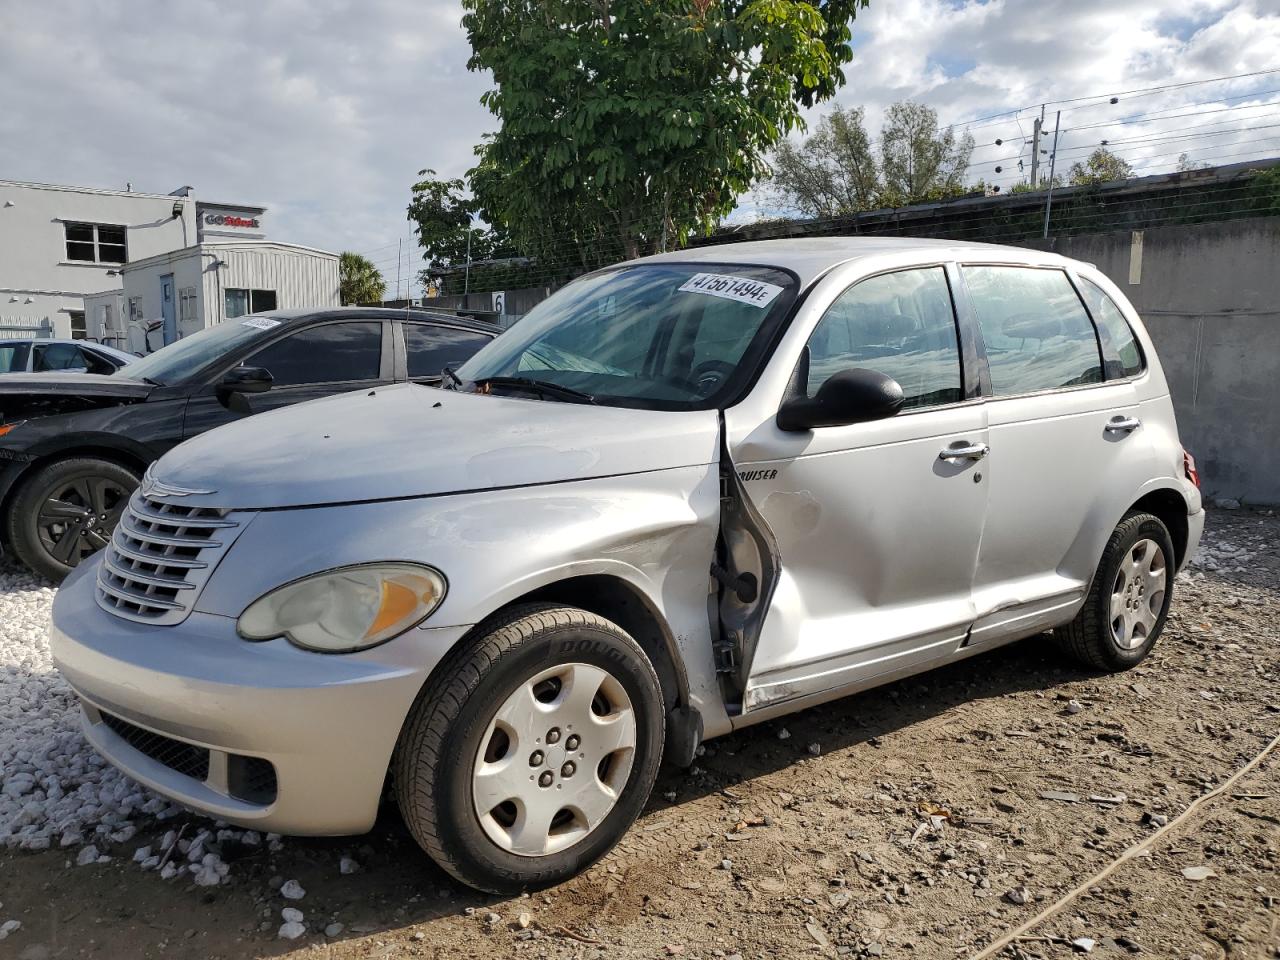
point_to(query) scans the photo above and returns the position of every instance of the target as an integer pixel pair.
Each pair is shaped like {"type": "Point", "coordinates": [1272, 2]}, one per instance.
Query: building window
{"type": "Point", "coordinates": [135, 309]}
{"type": "Point", "coordinates": [77, 324]}
{"type": "Point", "coordinates": [239, 301]}
{"type": "Point", "coordinates": [96, 243]}
{"type": "Point", "coordinates": [187, 305]}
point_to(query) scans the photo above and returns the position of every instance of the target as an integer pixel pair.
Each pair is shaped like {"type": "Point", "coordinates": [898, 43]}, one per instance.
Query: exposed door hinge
{"type": "Point", "coordinates": [726, 653]}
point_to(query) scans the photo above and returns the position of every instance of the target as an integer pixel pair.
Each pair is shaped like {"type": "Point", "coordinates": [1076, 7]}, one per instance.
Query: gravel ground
{"type": "Point", "coordinates": [924, 819]}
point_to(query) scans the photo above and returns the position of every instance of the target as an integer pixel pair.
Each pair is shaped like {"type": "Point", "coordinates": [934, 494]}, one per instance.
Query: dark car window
{"type": "Point", "coordinates": [96, 362]}
{"type": "Point", "coordinates": [329, 353]}
{"type": "Point", "coordinates": [1036, 331]}
{"type": "Point", "coordinates": [1119, 348]}
{"type": "Point", "coordinates": [13, 357]}
{"type": "Point", "coordinates": [58, 356]}
{"type": "Point", "coordinates": [431, 348]}
{"type": "Point", "coordinates": [899, 324]}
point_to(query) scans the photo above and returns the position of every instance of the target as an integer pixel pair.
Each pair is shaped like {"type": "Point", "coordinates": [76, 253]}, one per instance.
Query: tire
{"type": "Point", "coordinates": [1120, 636]}
{"type": "Point", "coordinates": [455, 755]}
{"type": "Point", "coordinates": [52, 545]}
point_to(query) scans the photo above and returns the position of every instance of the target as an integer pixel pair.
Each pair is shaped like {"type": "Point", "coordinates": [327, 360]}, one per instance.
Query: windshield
{"type": "Point", "coordinates": [179, 360]}
{"type": "Point", "coordinates": [671, 336]}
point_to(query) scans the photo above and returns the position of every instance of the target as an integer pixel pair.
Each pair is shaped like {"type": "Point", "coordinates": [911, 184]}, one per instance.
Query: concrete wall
{"type": "Point", "coordinates": [36, 278]}
{"type": "Point", "coordinates": [1210, 296]}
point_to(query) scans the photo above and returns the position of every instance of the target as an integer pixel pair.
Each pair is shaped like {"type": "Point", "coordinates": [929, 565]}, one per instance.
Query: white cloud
{"type": "Point", "coordinates": [325, 110]}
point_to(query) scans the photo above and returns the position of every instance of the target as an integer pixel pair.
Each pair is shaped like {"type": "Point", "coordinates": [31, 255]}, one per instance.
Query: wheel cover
{"type": "Point", "coordinates": [77, 516]}
{"type": "Point", "coordinates": [1137, 596]}
{"type": "Point", "coordinates": [554, 759]}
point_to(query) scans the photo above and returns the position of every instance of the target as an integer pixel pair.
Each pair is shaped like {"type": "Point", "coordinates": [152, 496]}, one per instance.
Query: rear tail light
{"type": "Point", "coordinates": [1189, 468]}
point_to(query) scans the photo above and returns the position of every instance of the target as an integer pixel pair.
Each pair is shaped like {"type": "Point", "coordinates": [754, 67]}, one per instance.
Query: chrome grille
{"type": "Point", "coordinates": [160, 557]}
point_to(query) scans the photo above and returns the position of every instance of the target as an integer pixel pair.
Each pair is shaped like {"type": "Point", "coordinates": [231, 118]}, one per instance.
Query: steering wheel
{"type": "Point", "coordinates": [709, 375]}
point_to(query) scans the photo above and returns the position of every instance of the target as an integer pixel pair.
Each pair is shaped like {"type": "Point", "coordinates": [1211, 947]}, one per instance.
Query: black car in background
{"type": "Point", "coordinates": [74, 446]}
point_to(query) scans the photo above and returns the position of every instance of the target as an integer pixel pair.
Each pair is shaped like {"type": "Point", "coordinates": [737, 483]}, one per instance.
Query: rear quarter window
{"type": "Point", "coordinates": [1120, 351]}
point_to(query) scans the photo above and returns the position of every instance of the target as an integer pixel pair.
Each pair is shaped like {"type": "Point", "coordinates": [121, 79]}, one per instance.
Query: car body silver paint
{"type": "Point", "coordinates": [506, 496]}
{"type": "Point", "coordinates": [409, 440]}
{"type": "Point", "coordinates": [847, 617]}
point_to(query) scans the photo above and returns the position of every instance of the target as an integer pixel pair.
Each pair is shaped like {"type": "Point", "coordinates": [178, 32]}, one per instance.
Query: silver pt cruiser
{"type": "Point", "coordinates": [684, 495]}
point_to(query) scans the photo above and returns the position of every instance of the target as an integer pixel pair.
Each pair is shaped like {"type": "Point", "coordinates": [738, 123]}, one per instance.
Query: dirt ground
{"type": "Point", "coordinates": [921, 820]}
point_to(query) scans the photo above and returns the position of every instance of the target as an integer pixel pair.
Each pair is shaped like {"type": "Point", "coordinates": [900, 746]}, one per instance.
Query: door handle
{"type": "Point", "coordinates": [1122, 425]}
{"type": "Point", "coordinates": [965, 451]}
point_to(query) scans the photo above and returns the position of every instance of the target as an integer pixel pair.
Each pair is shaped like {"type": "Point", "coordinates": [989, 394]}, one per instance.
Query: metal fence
{"type": "Point", "coordinates": [17, 328]}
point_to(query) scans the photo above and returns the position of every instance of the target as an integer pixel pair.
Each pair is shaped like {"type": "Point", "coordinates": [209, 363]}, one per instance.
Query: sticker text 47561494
{"type": "Point", "coordinates": [728, 287]}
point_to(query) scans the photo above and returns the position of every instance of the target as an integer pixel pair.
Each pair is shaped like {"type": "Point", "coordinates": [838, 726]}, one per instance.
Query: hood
{"type": "Point", "coordinates": [73, 385]}
{"type": "Point", "coordinates": [29, 396]}
{"type": "Point", "coordinates": [413, 441]}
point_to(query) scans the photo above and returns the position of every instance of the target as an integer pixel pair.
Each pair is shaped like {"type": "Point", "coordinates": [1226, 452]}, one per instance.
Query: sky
{"type": "Point", "coordinates": [325, 110]}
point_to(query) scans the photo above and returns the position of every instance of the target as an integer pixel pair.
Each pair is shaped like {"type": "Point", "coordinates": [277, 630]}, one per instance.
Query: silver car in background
{"type": "Point", "coordinates": [684, 495]}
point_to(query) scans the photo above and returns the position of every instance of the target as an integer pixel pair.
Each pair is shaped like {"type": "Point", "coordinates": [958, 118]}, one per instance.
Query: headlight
{"type": "Point", "coordinates": [344, 610]}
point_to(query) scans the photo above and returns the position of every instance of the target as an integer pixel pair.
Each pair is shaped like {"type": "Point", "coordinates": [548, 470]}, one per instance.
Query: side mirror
{"type": "Point", "coordinates": [850, 396]}
{"type": "Point", "coordinates": [246, 380]}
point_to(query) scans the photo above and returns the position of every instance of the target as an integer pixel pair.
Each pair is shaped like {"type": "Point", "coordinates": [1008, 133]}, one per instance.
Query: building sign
{"type": "Point", "coordinates": [230, 220]}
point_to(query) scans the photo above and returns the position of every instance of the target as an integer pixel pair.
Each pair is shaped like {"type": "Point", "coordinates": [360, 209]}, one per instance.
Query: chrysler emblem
{"type": "Point", "coordinates": [151, 487]}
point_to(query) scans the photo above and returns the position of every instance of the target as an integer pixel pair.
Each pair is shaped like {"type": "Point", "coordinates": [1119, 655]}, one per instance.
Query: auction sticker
{"type": "Point", "coordinates": [260, 323]}
{"type": "Point", "coordinates": [728, 287]}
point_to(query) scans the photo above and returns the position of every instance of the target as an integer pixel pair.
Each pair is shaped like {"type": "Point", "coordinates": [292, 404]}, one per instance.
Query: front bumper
{"type": "Point", "coordinates": [327, 724]}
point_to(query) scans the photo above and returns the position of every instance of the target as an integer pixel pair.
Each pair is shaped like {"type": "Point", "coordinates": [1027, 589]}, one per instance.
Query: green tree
{"type": "Point", "coordinates": [628, 124]}
{"type": "Point", "coordinates": [444, 221]}
{"type": "Point", "coordinates": [1102, 166]}
{"type": "Point", "coordinates": [918, 160]}
{"type": "Point", "coordinates": [835, 170]}
{"type": "Point", "coordinates": [359, 281]}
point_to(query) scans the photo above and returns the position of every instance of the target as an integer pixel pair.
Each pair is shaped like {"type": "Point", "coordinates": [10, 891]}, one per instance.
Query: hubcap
{"type": "Point", "coordinates": [533, 792]}
{"type": "Point", "coordinates": [78, 517]}
{"type": "Point", "coordinates": [1138, 594]}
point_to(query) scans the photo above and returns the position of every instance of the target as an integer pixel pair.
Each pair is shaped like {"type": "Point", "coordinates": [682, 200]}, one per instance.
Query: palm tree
{"type": "Point", "coordinates": [359, 281]}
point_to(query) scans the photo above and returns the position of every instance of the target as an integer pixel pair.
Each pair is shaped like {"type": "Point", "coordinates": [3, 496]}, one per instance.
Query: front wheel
{"type": "Point", "coordinates": [66, 511]}
{"type": "Point", "coordinates": [1129, 598]}
{"type": "Point", "coordinates": [532, 750]}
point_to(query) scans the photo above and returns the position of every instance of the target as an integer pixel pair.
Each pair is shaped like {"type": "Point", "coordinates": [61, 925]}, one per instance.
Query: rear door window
{"type": "Point", "coordinates": [1036, 331]}
{"type": "Point", "coordinates": [1120, 351]}
{"type": "Point", "coordinates": [58, 356]}
{"type": "Point", "coordinates": [900, 324]}
{"type": "Point", "coordinates": [329, 353]}
{"type": "Point", "coordinates": [431, 348]}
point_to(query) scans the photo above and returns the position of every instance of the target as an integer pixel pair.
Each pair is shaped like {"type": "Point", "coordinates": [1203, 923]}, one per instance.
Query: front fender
{"type": "Point", "coordinates": [656, 531]}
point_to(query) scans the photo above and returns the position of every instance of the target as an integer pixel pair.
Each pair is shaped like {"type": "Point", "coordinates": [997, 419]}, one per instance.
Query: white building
{"type": "Point", "coordinates": [59, 243]}
{"type": "Point", "coordinates": [207, 283]}
{"type": "Point", "coordinates": [84, 262]}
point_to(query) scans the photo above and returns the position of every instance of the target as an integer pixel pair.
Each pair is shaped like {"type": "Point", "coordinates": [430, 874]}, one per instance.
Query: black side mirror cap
{"type": "Point", "coordinates": [849, 396]}
{"type": "Point", "coordinates": [246, 380]}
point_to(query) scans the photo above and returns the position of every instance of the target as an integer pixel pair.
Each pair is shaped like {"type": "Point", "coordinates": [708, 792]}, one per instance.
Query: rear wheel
{"type": "Point", "coordinates": [532, 751]}
{"type": "Point", "coordinates": [66, 511]}
{"type": "Point", "coordinates": [1128, 601]}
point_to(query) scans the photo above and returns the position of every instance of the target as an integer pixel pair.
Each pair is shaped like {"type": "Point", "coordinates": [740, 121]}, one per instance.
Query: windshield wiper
{"type": "Point", "coordinates": [453, 377]}
{"type": "Point", "coordinates": [545, 387]}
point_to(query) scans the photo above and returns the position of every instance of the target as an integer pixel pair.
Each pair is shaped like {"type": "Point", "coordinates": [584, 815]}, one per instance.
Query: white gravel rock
{"type": "Point", "coordinates": [346, 866]}
{"type": "Point", "coordinates": [292, 890]}
{"type": "Point", "coordinates": [8, 927]}
{"type": "Point", "coordinates": [56, 789]}
{"type": "Point", "coordinates": [291, 915]}
{"type": "Point", "coordinates": [87, 855]}
{"type": "Point", "coordinates": [291, 931]}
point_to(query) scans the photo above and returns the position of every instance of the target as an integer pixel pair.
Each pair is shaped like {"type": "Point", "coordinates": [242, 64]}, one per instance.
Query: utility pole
{"type": "Point", "coordinates": [1035, 152]}
{"type": "Point", "coordinates": [1053, 160]}
{"type": "Point", "coordinates": [466, 277]}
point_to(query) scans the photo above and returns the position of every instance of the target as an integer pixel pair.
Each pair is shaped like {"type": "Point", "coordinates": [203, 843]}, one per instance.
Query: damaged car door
{"type": "Point", "coordinates": [874, 515]}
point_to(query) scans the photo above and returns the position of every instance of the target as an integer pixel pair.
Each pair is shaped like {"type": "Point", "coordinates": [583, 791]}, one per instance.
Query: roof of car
{"type": "Point", "coordinates": [377, 313]}
{"type": "Point", "coordinates": [809, 257]}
